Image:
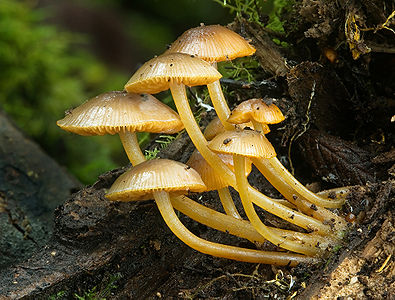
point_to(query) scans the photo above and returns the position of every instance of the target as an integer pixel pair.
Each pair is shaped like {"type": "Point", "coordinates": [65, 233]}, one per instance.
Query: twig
{"type": "Point", "coordinates": [305, 127]}
{"type": "Point", "coordinates": [270, 85]}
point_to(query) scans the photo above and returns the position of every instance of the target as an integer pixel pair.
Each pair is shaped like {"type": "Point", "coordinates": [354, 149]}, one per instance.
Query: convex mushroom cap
{"type": "Point", "coordinates": [157, 74]}
{"type": "Point", "coordinates": [212, 43]}
{"type": "Point", "coordinates": [247, 143]}
{"type": "Point", "coordinates": [118, 111]}
{"type": "Point", "coordinates": [258, 110]}
{"type": "Point", "coordinates": [141, 181]}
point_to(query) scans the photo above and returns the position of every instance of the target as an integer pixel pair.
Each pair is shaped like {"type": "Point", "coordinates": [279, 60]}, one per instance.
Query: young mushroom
{"type": "Point", "coordinates": [252, 144]}
{"type": "Point", "coordinates": [259, 113]}
{"type": "Point", "coordinates": [160, 177]}
{"type": "Point", "coordinates": [213, 43]}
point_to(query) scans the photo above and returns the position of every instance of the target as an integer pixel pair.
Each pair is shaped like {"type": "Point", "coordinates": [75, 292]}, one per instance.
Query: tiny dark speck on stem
{"type": "Point", "coordinates": [227, 141]}
{"type": "Point", "coordinates": [187, 167]}
{"type": "Point", "coordinates": [313, 207]}
{"type": "Point", "coordinates": [171, 65]}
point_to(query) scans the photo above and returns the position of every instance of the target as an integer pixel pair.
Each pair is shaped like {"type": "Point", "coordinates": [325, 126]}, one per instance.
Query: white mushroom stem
{"type": "Point", "coordinates": [241, 254]}
{"type": "Point", "coordinates": [239, 162]}
{"type": "Point", "coordinates": [227, 203]}
{"type": "Point", "coordinates": [132, 147]}
{"type": "Point", "coordinates": [181, 101]}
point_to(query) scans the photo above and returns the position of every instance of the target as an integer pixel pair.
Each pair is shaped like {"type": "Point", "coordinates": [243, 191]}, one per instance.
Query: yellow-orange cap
{"type": "Point", "coordinates": [208, 175]}
{"type": "Point", "coordinates": [248, 143]}
{"type": "Point", "coordinates": [141, 181]}
{"type": "Point", "coordinates": [213, 43]}
{"type": "Point", "coordinates": [156, 74]}
{"type": "Point", "coordinates": [258, 110]}
{"type": "Point", "coordinates": [117, 111]}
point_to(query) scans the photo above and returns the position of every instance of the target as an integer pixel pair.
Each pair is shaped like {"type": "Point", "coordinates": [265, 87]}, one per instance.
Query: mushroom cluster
{"type": "Point", "coordinates": [223, 157]}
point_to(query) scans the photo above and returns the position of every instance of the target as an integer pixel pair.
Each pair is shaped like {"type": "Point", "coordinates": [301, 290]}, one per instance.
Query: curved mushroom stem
{"type": "Point", "coordinates": [254, 218]}
{"type": "Point", "coordinates": [273, 165]}
{"type": "Point", "coordinates": [219, 103]}
{"type": "Point", "coordinates": [241, 254]}
{"type": "Point", "coordinates": [288, 192]}
{"type": "Point", "coordinates": [180, 99]}
{"type": "Point", "coordinates": [300, 188]}
{"type": "Point", "coordinates": [228, 204]}
{"type": "Point", "coordinates": [132, 147]}
{"type": "Point", "coordinates": [240, 228]}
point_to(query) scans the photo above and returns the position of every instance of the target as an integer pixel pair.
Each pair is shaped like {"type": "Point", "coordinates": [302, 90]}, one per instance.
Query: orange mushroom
{"type": "Point", "coordinates": [259, 113]}
{"type": "Point", "coordinates": [252, 144]}
{"type": "Point", "coordinates": [213, 43]}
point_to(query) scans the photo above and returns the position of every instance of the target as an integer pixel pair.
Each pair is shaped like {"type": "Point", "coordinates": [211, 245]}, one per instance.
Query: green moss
{"type": "Point", "coordinates": [42, 75]}
{"type": "Point", "coordinates": [101, 291]}
{"type": "Point", "coordinates": [58, 295]}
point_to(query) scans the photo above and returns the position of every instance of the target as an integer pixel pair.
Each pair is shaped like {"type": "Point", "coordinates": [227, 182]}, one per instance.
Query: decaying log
{"type": "Point", "coordinates": [365, 268]}
{"type": "Point", "coordinates": [96, 240]}
{"type": "Point", "coordinates": [32, 185]}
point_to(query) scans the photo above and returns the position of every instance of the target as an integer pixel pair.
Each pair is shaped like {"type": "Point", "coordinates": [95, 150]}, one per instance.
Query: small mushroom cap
{"type": "Point", "coordinates": [156, 74]}
{"type": "Point", "coordinates": [208, 175]}
{"type": "Point", "coordinates": [215, 127]}
{"type": "Point", "coordinates": [213, 43]}
{"type": "Point", "coordinates": [248, 143]}
{"type": "Point", "coordinates": [258, 110]}
{"type": "Point", "coordinates": [117, 111]}
{"type": "Point", "coordinates": [141, 181]}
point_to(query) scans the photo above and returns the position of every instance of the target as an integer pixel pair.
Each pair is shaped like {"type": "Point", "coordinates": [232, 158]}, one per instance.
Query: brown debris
{"type": "Point", "coordinates": [335, 160]}
{"type": "Point", "coordinates": [320, 96]}
{"type": "Point", "coordinates": [368, 273]}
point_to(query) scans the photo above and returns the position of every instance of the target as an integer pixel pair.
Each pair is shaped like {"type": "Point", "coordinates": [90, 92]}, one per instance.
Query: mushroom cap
{"type": "Point", "coordinates": [258, 110]}
{"type": "Point", "coordinates": [139, 182]}
{"type": "Point", "coordinates": [215, 127]}
{"type": "Point", "coordinates": [248, 143]}
{"type": "Point", "coordinates": [208, 175]}
{"type": "Point", "coordinates": [212, 43]}
{"type": "Point", "coordinates": [117, 111]}
{"type": "Point", "coordinates": [157, 74]}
